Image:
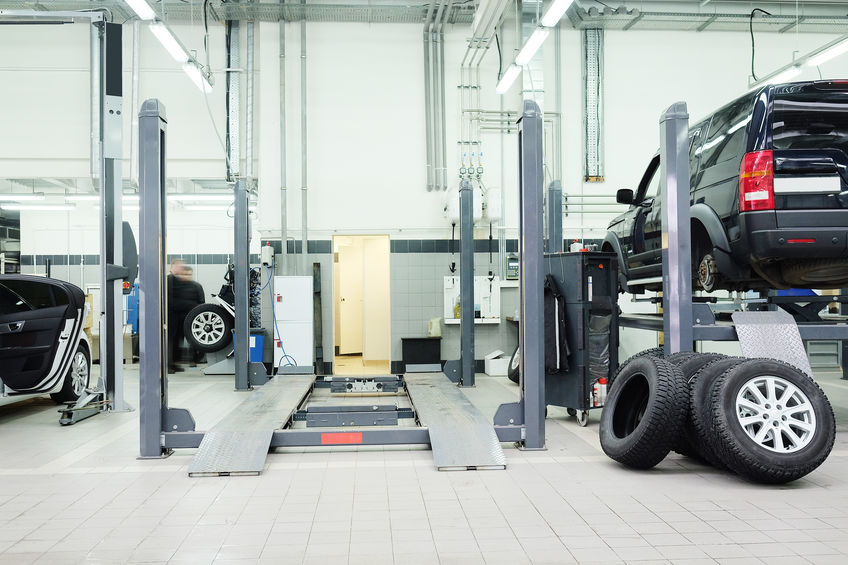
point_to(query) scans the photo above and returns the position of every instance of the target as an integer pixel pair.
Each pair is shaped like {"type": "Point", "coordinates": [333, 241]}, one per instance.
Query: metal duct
{"type": "Point", "coordinates": [303, 146]}
{"type": "Point", "coordinates": [248, 126]}
{"type": "Point", "coordinates": [428, 111]}
{"type": "Point", "coordinates": [283, 264]}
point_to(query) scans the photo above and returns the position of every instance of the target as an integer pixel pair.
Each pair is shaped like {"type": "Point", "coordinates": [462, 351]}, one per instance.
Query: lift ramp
{"type": "Point", "coordinates": [238, 444]}
{"type": "Point", "coordinates": [460, 436]}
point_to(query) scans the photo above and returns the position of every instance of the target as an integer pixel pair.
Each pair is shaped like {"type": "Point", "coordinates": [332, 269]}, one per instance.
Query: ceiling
{"type": "Point", "coordinates": [819, 16]}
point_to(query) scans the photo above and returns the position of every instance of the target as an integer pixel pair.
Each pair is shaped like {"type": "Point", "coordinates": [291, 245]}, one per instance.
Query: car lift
{"type": "Point", "coordinates": [459, 435]}
{"type": "Point", "coordinates": [771, 334]}
{"type": "Point", "coordinates": [106, 42]}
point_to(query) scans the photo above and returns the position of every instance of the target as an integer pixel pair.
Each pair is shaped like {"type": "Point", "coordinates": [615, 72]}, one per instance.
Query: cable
{"type": "Point", "coordinates": [290, 361]}
{"type": "Point", "coordinates": [751, 29]}
{"type": "Point", "coordinates": [500, 56]}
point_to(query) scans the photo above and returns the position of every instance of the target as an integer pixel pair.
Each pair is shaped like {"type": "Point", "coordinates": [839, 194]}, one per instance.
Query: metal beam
{"type": "Point", "coordinates": [466, 282]}
{"type": "Point", "coordinates": [707, 23]}
{"type": "Point", "coordinates": [531, 236]}
{"type": "Point", "coordinates": [633, 22]}
{"type": "Point", "coordinates": [153, 295]}
{"type": "Point", "coordinates": [676, 236]}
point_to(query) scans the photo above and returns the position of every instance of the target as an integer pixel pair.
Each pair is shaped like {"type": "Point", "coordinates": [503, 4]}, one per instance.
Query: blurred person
{"type": "Point", "coordinates": [194, 296]}
{"type": "Point", "coordinates": [177, 291]}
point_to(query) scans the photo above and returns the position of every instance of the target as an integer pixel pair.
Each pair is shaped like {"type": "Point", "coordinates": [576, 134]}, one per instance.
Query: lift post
{"type": "Point", "coordinates": [554, 243]}
{"type": "Point", "coordinates": [676, 236]}
{"type": "Point", "coordinates": [462, 371]}
{"type": "Point", "coordinates": [524, 421]}
{"type": "Point", "coordinates": [155, 417]}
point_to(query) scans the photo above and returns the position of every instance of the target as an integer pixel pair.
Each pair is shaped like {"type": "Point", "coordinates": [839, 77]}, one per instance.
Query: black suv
{"type": "Point", "coordinates": [768, 201]}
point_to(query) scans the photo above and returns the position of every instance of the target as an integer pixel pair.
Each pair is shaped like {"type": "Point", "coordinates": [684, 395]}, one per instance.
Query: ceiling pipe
{"type": "Point", "coordinates": [283, 266]}
{"type": "Point", "coordinates": [428, 111]}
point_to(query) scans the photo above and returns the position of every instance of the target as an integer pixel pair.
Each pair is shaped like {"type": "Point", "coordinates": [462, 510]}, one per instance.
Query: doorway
{"type": "Point", "coordinates": [361, 304]}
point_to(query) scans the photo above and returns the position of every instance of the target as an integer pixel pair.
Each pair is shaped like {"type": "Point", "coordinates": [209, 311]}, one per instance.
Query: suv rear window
{"type": "Point", "coordinates": [810, 120]}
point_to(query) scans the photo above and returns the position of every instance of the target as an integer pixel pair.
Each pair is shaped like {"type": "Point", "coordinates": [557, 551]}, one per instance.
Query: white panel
{"type": "Point", "coordinates": [297, 341]}
{"type": "Point", "coordinates": [293, 299]}
{"type": "Point", "coordinates": [798, 185]}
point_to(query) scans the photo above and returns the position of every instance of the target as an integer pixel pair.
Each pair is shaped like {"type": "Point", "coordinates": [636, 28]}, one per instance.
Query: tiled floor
{"type": "Point", "coordinates": [77, 494]}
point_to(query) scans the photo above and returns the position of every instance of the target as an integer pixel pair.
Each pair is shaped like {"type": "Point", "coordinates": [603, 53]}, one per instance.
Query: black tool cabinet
{"type": "Point", "coordinates": [588, 282]}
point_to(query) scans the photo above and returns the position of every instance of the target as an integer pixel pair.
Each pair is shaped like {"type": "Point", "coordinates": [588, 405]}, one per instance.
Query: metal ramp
{"type": "Point", "coordinates": [460, 436]}
{"type": "Point", "coordinates": [238, 444]}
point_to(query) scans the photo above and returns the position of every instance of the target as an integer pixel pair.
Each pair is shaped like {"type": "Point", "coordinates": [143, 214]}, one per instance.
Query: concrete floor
{"type": "Point", "coordinates": [77, 494]}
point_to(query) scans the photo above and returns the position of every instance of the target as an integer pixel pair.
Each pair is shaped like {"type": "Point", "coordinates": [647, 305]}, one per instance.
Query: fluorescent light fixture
{"type": "Point", "coordinates": [533, 43]}
{"type": "Point", "coordinates": [82, 198]}
{"type": "Point", "coordinates": [169, 42]}
{"type": "Point", "coordinates": [201, 197]}
{"type": "Point", "coordinates": [197, 77]}
{"type": "Point", "coordinates": [828, 53]}
{"type": "Point", "coordinates": [507, 79]}
{"type": "Point", "coordinates": [28, 197]}
{"type": "Point", "coordinates": [555, 12]}
{"type": "Point", "coordinates": [39, 207]}
{"type": "Point", "coordinates": [142, 9]}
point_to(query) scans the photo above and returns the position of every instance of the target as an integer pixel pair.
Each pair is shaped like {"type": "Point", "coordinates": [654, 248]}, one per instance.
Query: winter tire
{"type": "Point", "coordinates": [773, 424]}
{"type": "Point", "coordinates": [689, 364]}
{"type": "Point", "coordinates": [698, 430]}
{"type": "Point", "coordinates": [208, 328]}
{"type": "Point", "coordinates": [644, 413]}
{"type": "Point", "coordinates": [653, 352]}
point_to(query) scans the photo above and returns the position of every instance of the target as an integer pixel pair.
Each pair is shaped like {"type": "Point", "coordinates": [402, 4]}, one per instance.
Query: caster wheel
{"type": "Point", "coordinates": [582, 418]}
{"type": "Point", "coordinates": [571, 412]}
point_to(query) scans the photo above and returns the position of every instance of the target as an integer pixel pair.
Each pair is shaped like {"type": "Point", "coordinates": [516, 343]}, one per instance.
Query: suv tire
{"type": "Point", "coordinates": [758, 407]}
{"type": "Point", "coordinates": [657, 352]}
{"type": "Point", "coordinates": [644, 413]}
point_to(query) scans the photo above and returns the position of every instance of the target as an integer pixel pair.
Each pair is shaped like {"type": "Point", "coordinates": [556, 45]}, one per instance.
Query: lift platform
{"type": "Point", "coordinates": [238, 444]}
{"type": "Point", "coordinates": [460, 436]}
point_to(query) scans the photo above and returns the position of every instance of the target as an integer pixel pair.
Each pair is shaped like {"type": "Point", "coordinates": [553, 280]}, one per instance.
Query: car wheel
{"type": "Point", "coordinates": [773, 424]}
{"type": "Point", "coordinates": [77, 379]}
{"type": "Point", "coordinates": [208, 328]}
{"type": "Point", "coordinates": [644, 412]}
{"type": "Point", "coordinates": [514, 366]}
{"type": "Point", "coordinates": [826, 273]}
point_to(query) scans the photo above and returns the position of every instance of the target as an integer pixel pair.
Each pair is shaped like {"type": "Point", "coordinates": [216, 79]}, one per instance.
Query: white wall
{"type": "Point", "coordinates": [366, 170]}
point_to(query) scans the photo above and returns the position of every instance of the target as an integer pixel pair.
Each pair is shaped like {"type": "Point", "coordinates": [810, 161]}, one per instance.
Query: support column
{"type": "Point", "coordinates": [111, 226]}
{"type": "Point", "coordinates": [530, 240]}
{"type": "Point", "coordinates": [153, 292]}
{"type": "Point", "coordinates": [241, 328]}
{"type": "Point", "coordinates": [466, 282]}
{"type": "Point", "coordinates": [555, 217]}
{"type": "Point", "coordinates": [676, 259]}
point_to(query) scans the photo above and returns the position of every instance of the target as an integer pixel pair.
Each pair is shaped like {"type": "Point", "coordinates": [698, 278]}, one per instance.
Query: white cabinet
{"type": "Point", "coordinates": [293, 332]}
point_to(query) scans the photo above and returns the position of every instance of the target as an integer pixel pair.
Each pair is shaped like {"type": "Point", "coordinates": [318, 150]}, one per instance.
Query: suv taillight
{"type": "Point", "coordinates": [756, 182]}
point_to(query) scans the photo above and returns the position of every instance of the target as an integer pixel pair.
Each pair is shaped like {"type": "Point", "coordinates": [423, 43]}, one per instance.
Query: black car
{"type": "Point", "coordinates": [43, 349]}
{"type": "Point", "coordinates": [768, 201]}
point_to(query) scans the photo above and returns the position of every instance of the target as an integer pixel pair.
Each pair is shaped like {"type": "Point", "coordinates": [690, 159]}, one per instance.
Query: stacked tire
{"type": "Point", "coordinates": [760, 418]}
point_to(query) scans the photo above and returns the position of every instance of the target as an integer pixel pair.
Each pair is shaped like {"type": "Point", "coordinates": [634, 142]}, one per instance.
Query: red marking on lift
{"type": "Point", "coordinates": [341, 438]}
{"type": "Point", "coordinates": [812, 240]}
{"type": "Point", "coordinates": [279, 298]}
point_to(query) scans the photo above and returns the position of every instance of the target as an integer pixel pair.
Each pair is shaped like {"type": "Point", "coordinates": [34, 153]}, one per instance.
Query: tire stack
{"type": "Point", "coordinates": [760, 418]}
